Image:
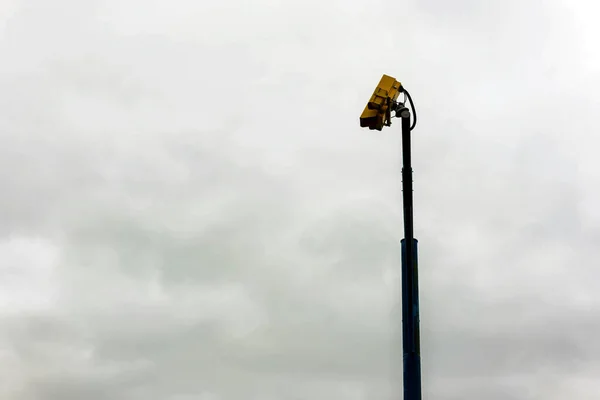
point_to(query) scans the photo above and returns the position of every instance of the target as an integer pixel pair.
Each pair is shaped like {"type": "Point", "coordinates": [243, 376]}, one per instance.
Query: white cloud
{"type": "Point", "coordinates": [28, 268]}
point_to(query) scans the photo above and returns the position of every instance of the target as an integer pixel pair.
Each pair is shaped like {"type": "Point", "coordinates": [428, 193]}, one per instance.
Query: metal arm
{"type": "Point", "coordinates": [410, 283]}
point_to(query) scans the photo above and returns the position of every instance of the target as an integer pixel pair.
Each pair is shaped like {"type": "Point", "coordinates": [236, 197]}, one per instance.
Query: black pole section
{"type": "Point", "coordinates": [410, 285]}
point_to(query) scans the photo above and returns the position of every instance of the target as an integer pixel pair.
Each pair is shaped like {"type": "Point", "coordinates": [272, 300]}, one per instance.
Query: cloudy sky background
{"type": "Point", "coordinates": [189, 209]}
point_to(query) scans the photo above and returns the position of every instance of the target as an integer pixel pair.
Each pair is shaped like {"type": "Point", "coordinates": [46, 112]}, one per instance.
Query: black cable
{"type": "Point", "coordinates": [414, 112]}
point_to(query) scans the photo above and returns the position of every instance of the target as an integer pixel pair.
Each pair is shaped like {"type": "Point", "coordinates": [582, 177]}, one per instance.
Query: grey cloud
{"type": "Point", "coordinates": [224, 230]}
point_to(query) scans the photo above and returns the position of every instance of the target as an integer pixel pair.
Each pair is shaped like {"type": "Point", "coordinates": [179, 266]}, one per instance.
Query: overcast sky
{"type": "Point", "coordinates": [190, 210]}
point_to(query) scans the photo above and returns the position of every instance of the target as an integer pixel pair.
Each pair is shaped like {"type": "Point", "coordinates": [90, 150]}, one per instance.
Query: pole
{"type": "Point", "coordinates": [410, 285]}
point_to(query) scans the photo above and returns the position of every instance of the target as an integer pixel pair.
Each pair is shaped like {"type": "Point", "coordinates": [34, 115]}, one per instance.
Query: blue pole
{"type": "Point", "coordinates": [410, 325]}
